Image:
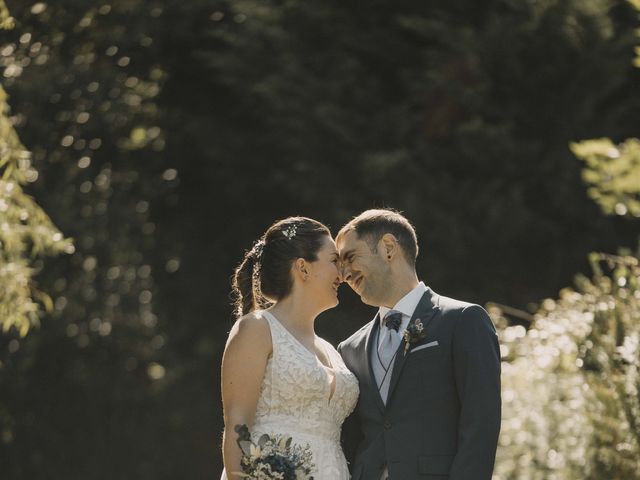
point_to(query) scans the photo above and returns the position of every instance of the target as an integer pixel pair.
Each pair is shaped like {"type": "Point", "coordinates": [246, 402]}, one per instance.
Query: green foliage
{"type": "Point", "coordinates": [84, 87]}
{"type": "Point", "coordinates": [6, 21]}
{"type": "Point", "coordinates": [26, 231]}
{"type": "Point", "coordinates": [613, 172]}
{"type": "Point", "coordinates": [88, 92]}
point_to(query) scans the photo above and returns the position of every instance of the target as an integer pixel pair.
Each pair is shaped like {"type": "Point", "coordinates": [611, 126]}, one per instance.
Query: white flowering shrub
{"type": "Point", "coordinates": [570, 383]}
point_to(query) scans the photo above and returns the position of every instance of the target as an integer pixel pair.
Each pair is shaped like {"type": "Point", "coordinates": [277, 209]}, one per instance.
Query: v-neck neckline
{"type": "Point", "coordinates": [330, 371]}
{"type": "Point", "coordinates": [299, 343]}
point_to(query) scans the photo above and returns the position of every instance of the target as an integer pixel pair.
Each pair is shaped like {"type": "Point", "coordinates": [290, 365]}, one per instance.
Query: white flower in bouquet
{"type": "Point", "coordinates": [273, 457]}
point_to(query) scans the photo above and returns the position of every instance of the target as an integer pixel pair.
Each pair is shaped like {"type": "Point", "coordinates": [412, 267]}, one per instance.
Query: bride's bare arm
{"type": "Point", "coordinates": [243, 366]}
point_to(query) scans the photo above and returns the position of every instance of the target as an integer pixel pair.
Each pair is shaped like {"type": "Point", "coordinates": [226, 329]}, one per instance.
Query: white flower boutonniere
{"type": "Point", "coordinates": [414, 333]}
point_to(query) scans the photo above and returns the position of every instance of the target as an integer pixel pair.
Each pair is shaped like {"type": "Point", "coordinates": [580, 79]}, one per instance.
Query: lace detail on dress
{"type": "Point", "coordinates": [295, 399]}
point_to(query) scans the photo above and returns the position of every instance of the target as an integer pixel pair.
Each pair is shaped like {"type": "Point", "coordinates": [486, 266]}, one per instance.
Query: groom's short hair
{"type": "Point", "coordinates": [371, 225]}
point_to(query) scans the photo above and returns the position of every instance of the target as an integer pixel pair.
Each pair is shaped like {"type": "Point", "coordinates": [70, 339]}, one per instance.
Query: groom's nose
{"type": "Point", "coordinates": [345, 273]}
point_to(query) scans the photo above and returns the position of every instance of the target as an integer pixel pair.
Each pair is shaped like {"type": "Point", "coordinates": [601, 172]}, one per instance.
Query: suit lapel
{"type": "Point", "coordinates": [425, 311]}
{"type": "Point", "coordinates": [370, 377]}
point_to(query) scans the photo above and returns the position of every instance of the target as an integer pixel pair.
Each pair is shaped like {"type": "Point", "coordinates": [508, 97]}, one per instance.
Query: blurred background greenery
{"type": "Point", "coordinates": [149, 143]}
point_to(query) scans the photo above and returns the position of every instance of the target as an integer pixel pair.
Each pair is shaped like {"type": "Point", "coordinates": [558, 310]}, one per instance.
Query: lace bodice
{"type": "Point", "coordinates": [297, 399]}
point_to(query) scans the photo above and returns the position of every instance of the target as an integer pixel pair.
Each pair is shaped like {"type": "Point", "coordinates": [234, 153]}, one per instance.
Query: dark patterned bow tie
{"type": "Point", "coordinates": [392, 320]}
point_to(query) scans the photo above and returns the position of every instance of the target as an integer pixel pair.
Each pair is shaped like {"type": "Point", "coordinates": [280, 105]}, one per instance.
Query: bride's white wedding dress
{"type": "Point", "coordinates": [302, 398]}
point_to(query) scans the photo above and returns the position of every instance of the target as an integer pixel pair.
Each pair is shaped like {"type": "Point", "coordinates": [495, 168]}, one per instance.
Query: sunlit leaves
{"type": "Point", "coordinates": [613, 173]}
{"type": "Point", "coordinates": [6, 21]}
{"type": "Point", "coordinates": [25, 232]}
{"type": "Point", "coordinates": [92, 113]}
{"type": "Point", "coordinates": [84, 86]}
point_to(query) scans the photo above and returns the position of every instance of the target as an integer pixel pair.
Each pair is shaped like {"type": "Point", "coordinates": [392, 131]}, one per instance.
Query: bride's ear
{"type": "Point", "coordinates": [302, 268]}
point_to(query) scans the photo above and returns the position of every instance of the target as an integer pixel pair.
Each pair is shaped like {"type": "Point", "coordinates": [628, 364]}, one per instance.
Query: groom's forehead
{"type": "Point", "coordinates": [348, 243]}
{"type": "Point", "coordinates": [346, 240]}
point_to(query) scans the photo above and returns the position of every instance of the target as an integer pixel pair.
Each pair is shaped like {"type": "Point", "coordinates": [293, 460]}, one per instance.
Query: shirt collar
{"type": "Point", "coordinates": [407, 304]}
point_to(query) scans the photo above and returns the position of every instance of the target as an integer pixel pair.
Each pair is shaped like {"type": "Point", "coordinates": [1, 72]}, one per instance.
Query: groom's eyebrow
{"type": "Point", "coordinates": [344, 255]}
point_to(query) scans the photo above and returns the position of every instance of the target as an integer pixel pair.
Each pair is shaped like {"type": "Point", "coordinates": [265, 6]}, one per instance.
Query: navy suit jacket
{"type": "Point", "coordinates": [442, 416]}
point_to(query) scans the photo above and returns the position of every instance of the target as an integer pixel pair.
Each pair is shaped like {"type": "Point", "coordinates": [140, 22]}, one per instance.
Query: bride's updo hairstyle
{"type": "Point", "coordinates": [264, 275]}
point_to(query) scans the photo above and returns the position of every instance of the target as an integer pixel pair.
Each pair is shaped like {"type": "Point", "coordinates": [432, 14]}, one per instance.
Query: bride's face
{"type": "Point", "coordinates": [324, 278]}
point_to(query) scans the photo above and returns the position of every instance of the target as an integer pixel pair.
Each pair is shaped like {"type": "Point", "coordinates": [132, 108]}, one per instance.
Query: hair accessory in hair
{"type": "Point", "coordinates": [256, 253]}
{"type": "Point", "coordinates": [257, 250]}
{"type": "Point", "coordinates": [291, 231]}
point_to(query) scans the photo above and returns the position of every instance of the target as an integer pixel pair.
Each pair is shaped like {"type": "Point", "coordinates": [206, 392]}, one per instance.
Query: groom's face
{"type": "Point", "coordinates": [366, 272]}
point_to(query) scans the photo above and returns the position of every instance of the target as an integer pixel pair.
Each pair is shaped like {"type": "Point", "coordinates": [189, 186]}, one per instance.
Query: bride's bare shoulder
{"type": "Point", "coordinates": [247, 350]}
{"type": "Point", "coordinates": [252, 327]}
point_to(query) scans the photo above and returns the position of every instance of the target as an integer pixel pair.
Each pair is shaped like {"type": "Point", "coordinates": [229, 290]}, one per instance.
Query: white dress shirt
{"type": "Point", "coordinates": [406, 305]}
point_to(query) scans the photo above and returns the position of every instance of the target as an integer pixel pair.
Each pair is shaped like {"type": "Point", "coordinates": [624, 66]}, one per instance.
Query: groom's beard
{"type": "Point", "coordinates": [375, 287]}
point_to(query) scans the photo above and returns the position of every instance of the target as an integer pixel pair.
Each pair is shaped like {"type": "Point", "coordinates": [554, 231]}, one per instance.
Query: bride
{"type": "Point", "coordinates": [278, 376]}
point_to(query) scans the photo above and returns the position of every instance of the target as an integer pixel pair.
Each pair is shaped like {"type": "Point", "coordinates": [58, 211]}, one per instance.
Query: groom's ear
{"type": "Point", "coordinates": [389, 245]}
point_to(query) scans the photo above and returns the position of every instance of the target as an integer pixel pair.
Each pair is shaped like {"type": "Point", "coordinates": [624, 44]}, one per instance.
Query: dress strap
{"type": "Point", "coordinates": [271, 320]}
{"type": "Point", "coordinates": [274, 327]}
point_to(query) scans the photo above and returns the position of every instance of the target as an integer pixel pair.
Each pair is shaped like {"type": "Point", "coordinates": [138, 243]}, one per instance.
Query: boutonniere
{"type": "Point", "coordinates": [414, 333]}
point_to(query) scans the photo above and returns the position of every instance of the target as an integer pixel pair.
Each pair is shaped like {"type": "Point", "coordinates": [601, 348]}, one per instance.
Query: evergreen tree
{"type": "Point", "coordinates": [457, 113]}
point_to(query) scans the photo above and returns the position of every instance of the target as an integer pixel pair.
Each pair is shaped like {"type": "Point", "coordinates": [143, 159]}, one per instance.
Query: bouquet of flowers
{"type": "Point", "coordinates": [273, 458]}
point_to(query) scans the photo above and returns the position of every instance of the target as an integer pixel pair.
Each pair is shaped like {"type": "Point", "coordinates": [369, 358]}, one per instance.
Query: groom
{"type": "Point", "coordinates": [428, 365]}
